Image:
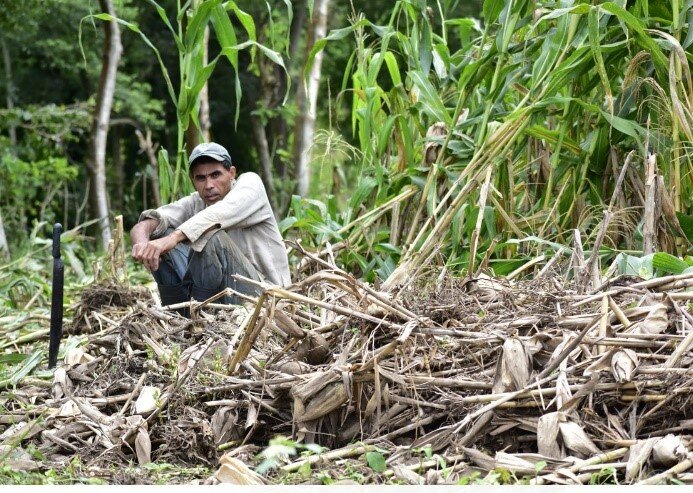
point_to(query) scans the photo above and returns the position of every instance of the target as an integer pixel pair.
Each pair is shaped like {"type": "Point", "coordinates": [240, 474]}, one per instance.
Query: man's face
{"type": "Point", "coordinates": [212, 181]}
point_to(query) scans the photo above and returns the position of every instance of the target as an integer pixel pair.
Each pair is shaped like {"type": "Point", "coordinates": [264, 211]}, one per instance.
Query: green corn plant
{"type": "Point", "coordinates": [191, 19]}
{"type": "Point", "coordinates": [541, 104]}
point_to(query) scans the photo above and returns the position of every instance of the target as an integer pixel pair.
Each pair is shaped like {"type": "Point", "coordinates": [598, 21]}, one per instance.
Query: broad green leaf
{"type": "Point", "coordinates": [376, 461]}
{"type": "Point", "coordinates": [491, 10]}
{"type": "Point", "coordinates": [384, 134]}
{"type": "Point", "coordinates": [425, 49]}
{"type": "Point", "coordinates": [553, 136]}
{"type": "Point", "coordinates": [364, 188]}
{"type": "Point", "coordinates": [393, 68]}
{"type": "Point", "coordinates": [627, 127]}
{"type": "Point", "coordinates": [195, 31]}
{"type": "Point", "coordinates": [26, 367]}
{"type": "Point", "coordinates": [430, 98]}
{"type": "Point", "coordinates": [246, 21]}
{"type": "Point", "coordinates": [668, 263]}
{"type": "Point", "coordinates": [165, 177]}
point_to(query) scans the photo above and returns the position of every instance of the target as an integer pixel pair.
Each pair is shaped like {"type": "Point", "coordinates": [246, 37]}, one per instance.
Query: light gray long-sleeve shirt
{"type": "Point", "coordinates": [245, 214]}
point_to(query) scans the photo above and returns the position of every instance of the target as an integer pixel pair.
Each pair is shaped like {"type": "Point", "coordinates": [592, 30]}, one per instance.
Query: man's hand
{"type": "Point", "coordinates": [149, 252]}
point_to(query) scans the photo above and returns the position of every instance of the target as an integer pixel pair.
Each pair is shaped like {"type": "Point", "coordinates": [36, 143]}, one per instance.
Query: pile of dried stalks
{"type": "Point", "coordinates": [530, 377]}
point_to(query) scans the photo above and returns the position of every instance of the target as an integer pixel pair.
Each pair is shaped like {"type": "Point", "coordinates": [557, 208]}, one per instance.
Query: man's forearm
{"type": "Point", "coordinates": [142, 231]}
{"type": "Point", "coordinates": [177, 236]}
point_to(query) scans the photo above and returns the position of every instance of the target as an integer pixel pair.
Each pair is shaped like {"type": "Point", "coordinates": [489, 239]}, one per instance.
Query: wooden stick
{"type": "Point", "coordinates": [568, 349]}
{"type": "Point", "coordinates": [669, 473]}
{"type": "Point", "coordinates": [603, 323]}
{"type": "Point", "coordinates": [343, 453]}
{"type": "Point", "coordinates": [597, 459]}
{"type": "Point", "coordinates": [682, 348]}
{"type": "Point", "coordinates": [618, 312]}
{"type": "Point", "coordinates": [133, 394]}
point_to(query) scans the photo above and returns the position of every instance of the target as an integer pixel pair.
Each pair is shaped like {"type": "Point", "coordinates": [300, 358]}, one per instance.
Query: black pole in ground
{"type": "Point", "coordinates": [56, 298]}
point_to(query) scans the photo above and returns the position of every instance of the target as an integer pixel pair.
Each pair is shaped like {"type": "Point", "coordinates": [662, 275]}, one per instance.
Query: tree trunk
{"type": "Point", "coordinates": [9, 84]}
{"type": "Point", "coordinates": [112, 49]}
{"type": "Point", "coordinates": [307, 100]}
{"type": "Point", "coordinates": [4, 247]}
{"type": "Point", "coordinates": [263, 150]}
{"type": "Point", "coordinates": [118, 167]}
{"type": "Point", "coordinates": [149, 149]}
{"type": "Point", "coordinates": [10, 89]}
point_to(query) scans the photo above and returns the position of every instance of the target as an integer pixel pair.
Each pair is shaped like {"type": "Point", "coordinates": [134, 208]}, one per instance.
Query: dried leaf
{"type": "Point", "coordinates": [218, 354]}
{"type": "Point", "coordinates": [514, 464]}
{"type": "Point", "coordinates": [148, 400]}
{"type": "Point", "coordinates": [576, 440]}
{"type": "Point", "coordinates": [433, 136]}
{"type": "Point", "coordinates": [251, 418]}
{"type": "Point", "coordinates": [407, 475]}
{"type": "Point", "coordinates": [325, 401]}
{"type": "Point", "coordinates": [563, 392]}
{"type": "Point", "coordinates": [17, 459]}
{"type": "Point", "coordinates": [485, 288]}
{"type": "Point", "coordinates": [514, 367]}
{"type": "Point", "coordinates": [535, 344]}
{"type": "Point", "coordinates": [547, 435]}
{"type": "Point", "coordinates": [23, 430]}
{"type": "Point", "coordinates": [656, 321]}
{"type": "Point", "coordinates": [143, 447]}
{"type": "Point", "coordinates": [285, 323]}
{"type": "Point", "coordinates": [623, 365]}
{"type": "Point", "coordinates": [234, 471]}
{"type": "Point", "coordinates": [223, 425]}
{"type": "Point", "coordinates": [567, 339]}
{"type": "Point", "coordinates": [637, 457]}
{"type": "Point", "coordinates": [76, 356]}
{"type": "Point", "coordinates": [602, 363]}
{"type": "Point", "coordinates": [669, 450]}
{"type": "Point", "coordinates": [61, 383]}
{"type": "Point", "coordinates": [69, 409]}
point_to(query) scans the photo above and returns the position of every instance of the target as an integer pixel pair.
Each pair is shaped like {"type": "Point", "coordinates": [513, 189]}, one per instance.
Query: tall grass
{"type": "Point", "coordinates": [542, 103]}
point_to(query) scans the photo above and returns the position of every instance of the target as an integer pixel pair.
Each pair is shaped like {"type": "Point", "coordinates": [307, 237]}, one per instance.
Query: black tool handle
{"type": "Point", "coordinates": [56, 331]}
{"type": "Point", "coordinates": [57, 231]}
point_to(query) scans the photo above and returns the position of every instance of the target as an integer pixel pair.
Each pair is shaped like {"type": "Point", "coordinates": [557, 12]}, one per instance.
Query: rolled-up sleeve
{"type": "Point", "coordinates": [170, 215]}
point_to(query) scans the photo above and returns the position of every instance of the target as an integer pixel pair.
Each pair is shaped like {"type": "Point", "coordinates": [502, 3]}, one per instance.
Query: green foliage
{"type": "Point", "coordinates": [607, 475]}
{"type": "Point", "coordinates": [376, 461]}
{"type": "Point", "coordinates": [281, 449]}
{"type": "Point", "coordinates": [545, 99]}
{"type": "Point", "coordinates": [653, 265]}
{"type": "Point", "coordinates": [29, 186]}
{"type": "Point", "coordinates": [188, 32]}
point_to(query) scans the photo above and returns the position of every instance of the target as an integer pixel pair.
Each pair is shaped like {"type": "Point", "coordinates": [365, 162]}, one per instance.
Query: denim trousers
{"type": "Point", "coordinates": [184, 273]}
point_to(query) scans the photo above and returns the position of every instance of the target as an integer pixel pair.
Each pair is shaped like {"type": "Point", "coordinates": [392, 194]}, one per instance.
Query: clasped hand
{"type": "Point", "coordinates": [149, 253]}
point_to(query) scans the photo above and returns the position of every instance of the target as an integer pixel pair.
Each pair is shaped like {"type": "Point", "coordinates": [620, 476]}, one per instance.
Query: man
{"type": "Point", "coordinates": [193, 246]}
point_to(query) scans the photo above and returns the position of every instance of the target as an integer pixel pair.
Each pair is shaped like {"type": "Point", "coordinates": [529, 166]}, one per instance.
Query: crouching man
{"type": "Point", "coordinates": [194, 246]}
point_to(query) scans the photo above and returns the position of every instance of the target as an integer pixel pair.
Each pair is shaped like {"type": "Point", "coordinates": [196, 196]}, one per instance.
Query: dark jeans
{"type": "Point", "coordinates": [184, 273]}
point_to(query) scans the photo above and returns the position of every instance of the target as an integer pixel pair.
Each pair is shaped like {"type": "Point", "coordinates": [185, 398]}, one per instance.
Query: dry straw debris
{"type": "Point", "coordinates": [529, 377]}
